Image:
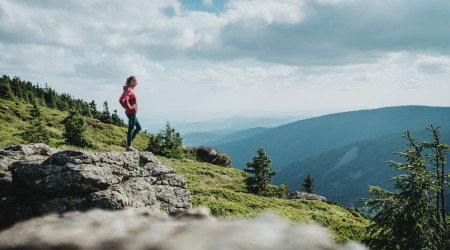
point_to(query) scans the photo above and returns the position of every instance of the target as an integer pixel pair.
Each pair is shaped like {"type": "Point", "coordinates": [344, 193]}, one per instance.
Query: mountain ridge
{"type": "Point", "coordinates": [295, 141]}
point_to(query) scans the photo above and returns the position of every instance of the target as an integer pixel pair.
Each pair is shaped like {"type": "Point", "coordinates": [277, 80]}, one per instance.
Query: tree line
{"type": "Point", "coordinates": [17, 90]}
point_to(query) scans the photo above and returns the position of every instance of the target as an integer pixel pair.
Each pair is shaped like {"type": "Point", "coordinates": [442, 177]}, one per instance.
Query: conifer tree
{"type": "Point", "coordinates": [260, 171]}
{"type": "Point", "coordinates": [106, 116]}
{"type": "Point", "coordinates": [167, 143]}
{"type": "Point", "coordinates": [36, 112]}
{"type": "Point", "coordinates": [116, 119]}
{"type": "Point", "coordinates": [410, 219]}
{"type": "Point", "coordinates": [50, 97]}
{"type": "Point", "coordinates": [308, 185]}
{"type": "Point", "coordinates": [74, 130]}
{"type": "Point", "coordinates": [94, 112]}
{"type": "Point", "coordinates": [37, 132]}
{"type": "Point", "coordinates": [437, 159]}
{"type": "Point", "coordinates": [16, 88]}
{"type": "Point", "coordinates": [5, 88]}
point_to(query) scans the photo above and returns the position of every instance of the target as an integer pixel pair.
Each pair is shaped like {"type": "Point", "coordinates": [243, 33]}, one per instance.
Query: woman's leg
{"type": "Point", "coordinates": [131, 124]}
{"type": "Point", "coordinates": [137, 129]}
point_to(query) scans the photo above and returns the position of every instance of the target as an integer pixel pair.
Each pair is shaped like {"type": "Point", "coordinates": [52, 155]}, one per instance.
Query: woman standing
{"type": "Point", "coordinates": [128, 100]}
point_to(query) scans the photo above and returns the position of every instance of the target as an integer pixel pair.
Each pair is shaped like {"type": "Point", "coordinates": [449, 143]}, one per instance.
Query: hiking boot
{"type": "Point", "coordinates": [131, 150]}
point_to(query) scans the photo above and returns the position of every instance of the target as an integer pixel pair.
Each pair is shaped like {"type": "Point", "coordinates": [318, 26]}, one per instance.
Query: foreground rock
{"type": "Point", "coordinates": [305, 196]}
{"type": "Point", "coordinates": [99, 229]}
{"type": "Point", "coordinates": [37, 180]}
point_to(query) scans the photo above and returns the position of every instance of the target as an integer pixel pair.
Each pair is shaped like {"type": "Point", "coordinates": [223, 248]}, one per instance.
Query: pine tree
{"type": "Point", "coordinates": [5, 88]}
{"type": "Point", "coordinates": [50, 97]}
{"type": "Point", "coordinates": [116, 119]}
{"type": "Point", "coordinates": [167, 143]}
{"type": "Point", "coordinates": [308, 185]}
{"type": "Point", "coordinates": [37, 132]}
{"type": "Point", "coordinates": [106, 116]}
{"type": "Point", "coordinates": [94, 111]}
{"type": "Point", "coordinates": [409, 219]}
{"type": "Point", "coordinates": [36, 112]}
{"type": "Point", "coordinates": [260, 171]}
{"type": "Point", "coordinates": [16, 88]}
{"type": "Point", "coordinates": [74, 130]}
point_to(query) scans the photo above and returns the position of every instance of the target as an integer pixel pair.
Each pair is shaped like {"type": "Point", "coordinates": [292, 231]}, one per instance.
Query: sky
{"type": "Point", "coordinates": [208, 59]}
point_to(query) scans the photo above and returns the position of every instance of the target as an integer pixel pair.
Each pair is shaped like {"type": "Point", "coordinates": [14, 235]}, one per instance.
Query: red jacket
{"type": "Point", "coordinates": [130, 100]}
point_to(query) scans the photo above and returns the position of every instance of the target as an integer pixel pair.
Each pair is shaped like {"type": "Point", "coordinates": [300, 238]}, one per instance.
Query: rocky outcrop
{"type": "Point", "coordinates": [209, 155]}
{"type": "Point", "coordinates": [100, 229]}
{"type": "Point", "coordinates": [305, 196]}
{"type": "Point", "coordinates": [36, 179]}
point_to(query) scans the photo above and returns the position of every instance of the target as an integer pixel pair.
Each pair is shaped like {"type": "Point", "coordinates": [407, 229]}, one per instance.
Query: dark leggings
{"type": "Point", "coordinates": [132, 122]}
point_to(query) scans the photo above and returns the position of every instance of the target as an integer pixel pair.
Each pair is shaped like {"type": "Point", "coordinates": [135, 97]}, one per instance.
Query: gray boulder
{"type": "Point", "coordinates": [209, 155]}
{"type": "Point", "coordinates": [37, 180]}
{"type": "Point", "coordinates": [100, 229]}
{"type": "Point", "coordinates": [305, 196]}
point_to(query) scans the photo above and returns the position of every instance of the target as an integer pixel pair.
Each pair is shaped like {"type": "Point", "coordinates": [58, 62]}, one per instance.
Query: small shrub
{"type": "Point", "coordinates": [74, 130]}
{"type": "Point", "coordinates": [167, 143]}
{"type": "Point", "coordinates": [36, 133]}
{"type": "Point", "coordinates": [274, 191]}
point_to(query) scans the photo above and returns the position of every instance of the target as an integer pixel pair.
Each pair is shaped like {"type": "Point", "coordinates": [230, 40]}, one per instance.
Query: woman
{"type": "Point", "coordinates": [129, 99]}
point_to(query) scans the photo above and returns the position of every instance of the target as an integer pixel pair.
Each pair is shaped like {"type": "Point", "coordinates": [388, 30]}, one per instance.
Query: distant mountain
{"type": "Point", "coordinates": [212, 138]}
{"type": "Point", "coordinates": [200, 139]}
{"type": "Point", "coordinates": [242, 134]}
{"type": "Point", "coordinates": [344, 174]}
{"type": "Point", "coordinates": [296, 141]}
{"type": "Point", "coordinates": [232, 124]}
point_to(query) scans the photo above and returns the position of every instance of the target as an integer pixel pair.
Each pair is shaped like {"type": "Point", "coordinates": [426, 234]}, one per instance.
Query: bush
{"type": "Point", "coordinates": [274, 191]}
{"type": "Point", "coordinates": [36, 133]}
{"type": "Point", "coordinates": [74, 130]}
{"type": "Point", "coordinates": [167, 143]}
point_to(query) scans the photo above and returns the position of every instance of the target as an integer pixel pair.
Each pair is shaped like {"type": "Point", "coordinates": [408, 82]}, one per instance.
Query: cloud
{"type": "Point", "coordinates": [321, 32]}
{"type": "Point", "coordinates": [342, 32]}
{"type": "Point", "coordinates": [208, 3]}
{"type": "Point", "coordinates": [242, 55]}
{"type": "Point", "coordinates": [433, 65]}
{"type": "Point", "coordinates": [226, 77]}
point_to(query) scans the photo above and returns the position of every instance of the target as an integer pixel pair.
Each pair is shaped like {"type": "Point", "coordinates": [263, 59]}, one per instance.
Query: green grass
{"type": "Point", "coordinates": [16, 119]}
{"type": "Point", "coordinates": [221, 189]}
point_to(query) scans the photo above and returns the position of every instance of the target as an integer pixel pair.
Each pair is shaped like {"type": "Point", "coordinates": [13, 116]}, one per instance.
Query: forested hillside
{"type": "Point", "coordinates": [24, 91]}
{"type": "Point", "coordinates": [17, 101]}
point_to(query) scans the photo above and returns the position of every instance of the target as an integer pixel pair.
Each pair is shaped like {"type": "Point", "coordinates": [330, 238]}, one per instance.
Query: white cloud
{"type": "Point", "coordinates": [208, 3]}
{"type": "Point", "coordinates": [282, 11]}
{"type": "Point", "coordinates": [433, 65]}
{"type": "Point", "coordinates": [272, 55]}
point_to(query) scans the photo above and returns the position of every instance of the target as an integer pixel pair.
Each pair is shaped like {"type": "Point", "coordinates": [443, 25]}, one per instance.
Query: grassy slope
{"type": "Point", "coordinates": [15, 121]}
{"type": "Point", "coordinates": [221, 189]}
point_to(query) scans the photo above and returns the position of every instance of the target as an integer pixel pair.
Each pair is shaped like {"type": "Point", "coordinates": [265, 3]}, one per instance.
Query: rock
{"type": "Point", "coordinates": [37, 180]}
{"type": "Point", "coordinates": [306, 196]}
{"type": "Point", "coordinates": [32, 151]}
{"type": "Point", "coordinates": [4, 107]}
{"type": "Point", "coordinates": [210, 155]}
{"type": "Point", "coordinates": [197, 213]}
{"type": "Point", "coordinates": [100, 229]}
